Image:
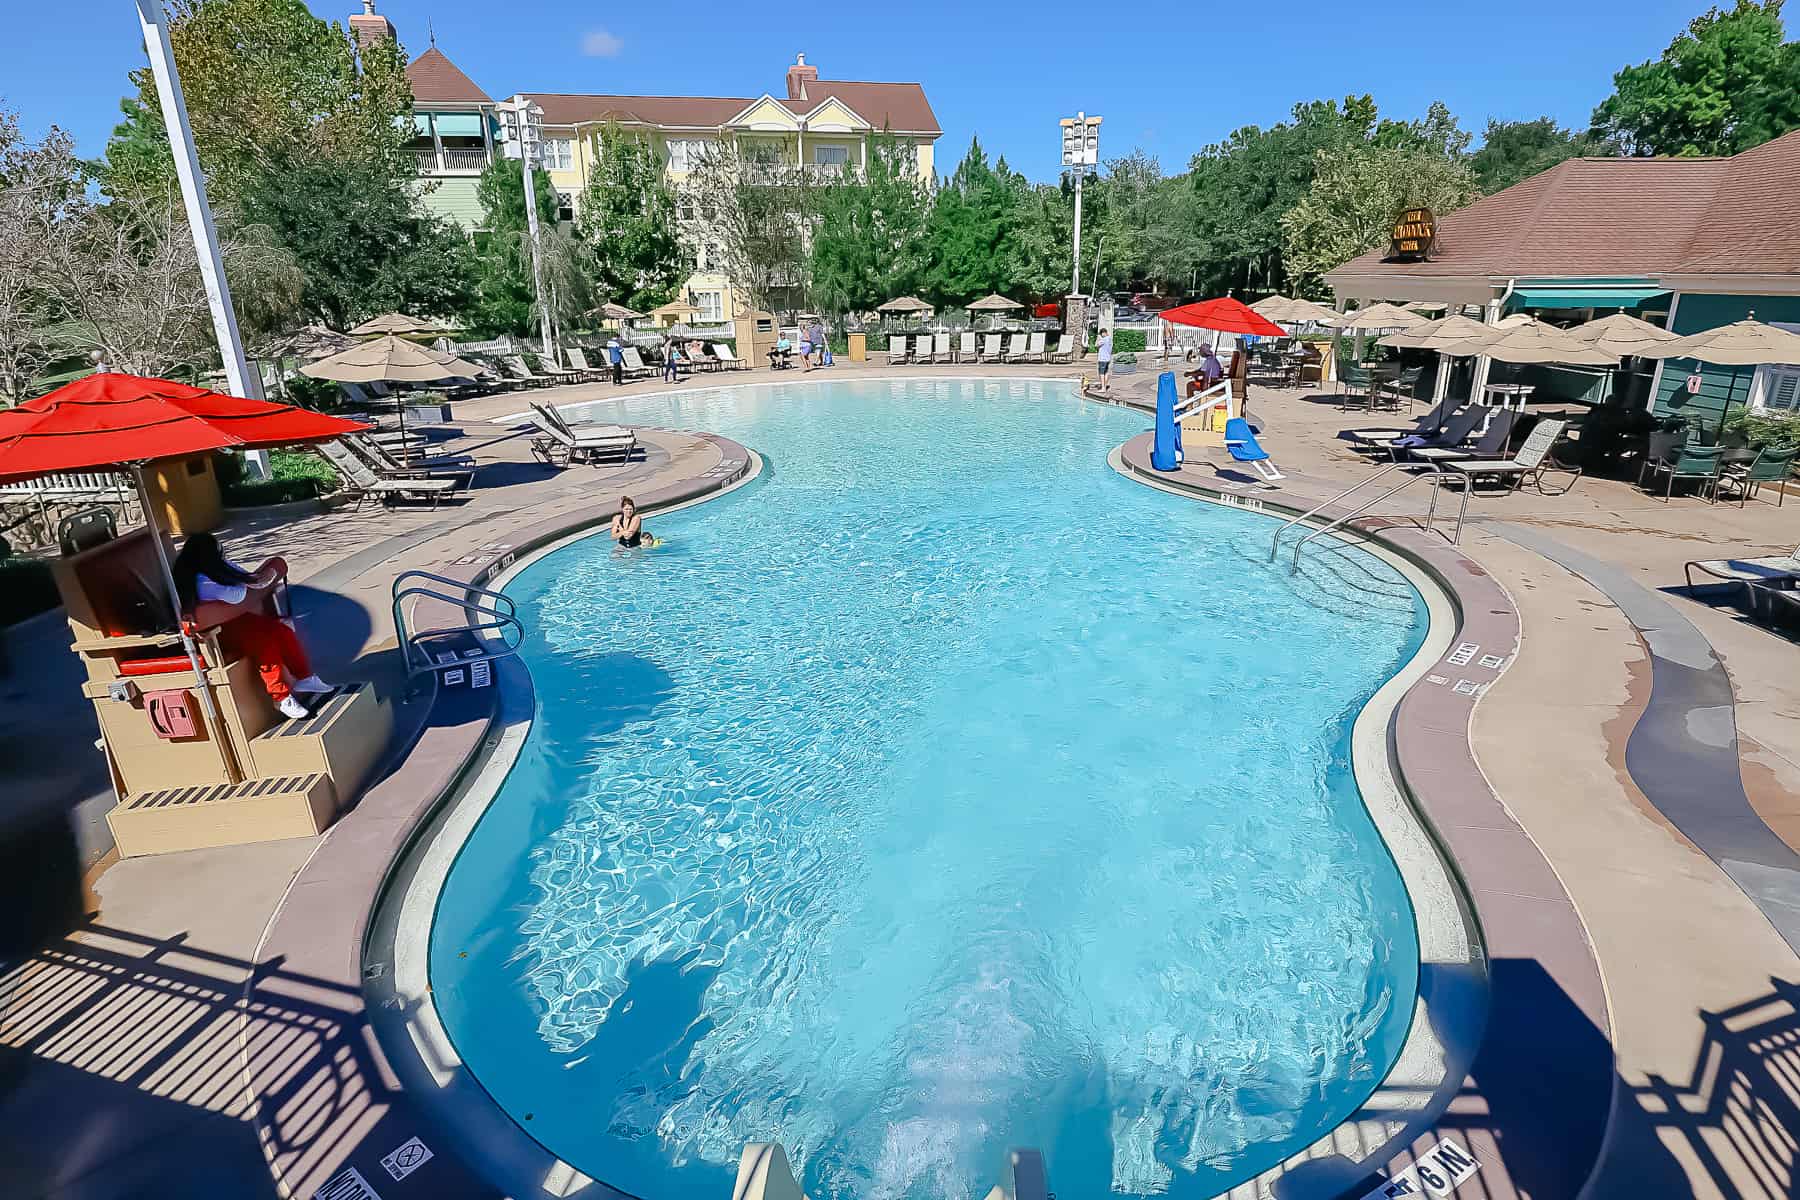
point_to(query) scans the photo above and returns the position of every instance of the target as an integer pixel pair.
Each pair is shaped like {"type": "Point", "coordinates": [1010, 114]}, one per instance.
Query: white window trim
{"type": "Point", "coordinates": [1762, 387]}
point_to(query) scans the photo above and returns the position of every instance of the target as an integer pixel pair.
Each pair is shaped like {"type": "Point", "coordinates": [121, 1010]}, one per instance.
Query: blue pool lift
{"type": "Point", "coordinates": [1244, 447]}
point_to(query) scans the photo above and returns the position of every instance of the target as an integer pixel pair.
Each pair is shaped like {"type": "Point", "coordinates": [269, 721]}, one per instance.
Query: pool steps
{"type": "Point", "coordinates": [764, 1173]}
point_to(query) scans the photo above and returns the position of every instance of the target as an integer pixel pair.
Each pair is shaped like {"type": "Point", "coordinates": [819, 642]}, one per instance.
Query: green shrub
{"type": "Point", "coordinates": [294, 475]}
{"type": "Point", "coordinates": [1760, 430]}
{"type": "Point", "coordinates": [321, 394]}
{"type": "Point", "coordinates": [26, 589]}
{"type": "Point", "coordinates": [1125, 341]}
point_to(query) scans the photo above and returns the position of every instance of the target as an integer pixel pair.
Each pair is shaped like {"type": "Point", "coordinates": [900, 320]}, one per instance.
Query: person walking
{"type": "Point", "coordinates": [615, 354]}
{"type": "Point", "coordinates": [819, 343]}
{"type": "Point", "coordinates": [671, 357]}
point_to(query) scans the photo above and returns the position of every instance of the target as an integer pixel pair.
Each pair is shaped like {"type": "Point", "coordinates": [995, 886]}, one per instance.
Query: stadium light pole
{"type": "Point", "coordinates": [522, 121]}
{"type": "Point", "coordinates": [1080, 150]}
{"type": "Point", "coordinates": [199, 214]}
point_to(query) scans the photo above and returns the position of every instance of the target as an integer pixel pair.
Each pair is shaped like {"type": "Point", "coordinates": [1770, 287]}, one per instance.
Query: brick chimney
{"type": "Point", "coordinates": [798, 76]}
{"type": "Point", "coordinates": [370, 26]}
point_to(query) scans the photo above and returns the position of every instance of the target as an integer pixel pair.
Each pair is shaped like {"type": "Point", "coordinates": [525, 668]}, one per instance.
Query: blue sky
{"type": "Point", "coordinates": [1168, 83]}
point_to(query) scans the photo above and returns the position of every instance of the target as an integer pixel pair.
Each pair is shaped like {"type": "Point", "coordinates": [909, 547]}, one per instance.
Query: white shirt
{"type": "Point", "coordinates": [225, 593]}
{"type": "Point", "coordinates": [1106, 348]}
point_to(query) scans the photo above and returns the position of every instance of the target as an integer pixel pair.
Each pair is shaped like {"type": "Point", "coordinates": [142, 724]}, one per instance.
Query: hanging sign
{"type": "Point", "coordinates": [1414, 237]}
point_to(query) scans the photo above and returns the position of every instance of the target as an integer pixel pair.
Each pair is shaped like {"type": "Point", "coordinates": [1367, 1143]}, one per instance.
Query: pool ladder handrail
{"type": "Point", "coordinates": [1421, 470]}
{"type": "Point", "coordinates": [486, 611]}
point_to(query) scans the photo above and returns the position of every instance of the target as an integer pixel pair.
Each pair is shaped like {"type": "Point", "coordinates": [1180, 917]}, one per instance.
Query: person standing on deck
{"type": "Point", "coordinates": [615, 354]}
{"type": "Point", "coordinates": [1105, 357]}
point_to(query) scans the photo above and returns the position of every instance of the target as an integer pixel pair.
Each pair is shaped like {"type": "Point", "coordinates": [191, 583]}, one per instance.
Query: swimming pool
{"type": "Point", "coordinates": [938, 793]}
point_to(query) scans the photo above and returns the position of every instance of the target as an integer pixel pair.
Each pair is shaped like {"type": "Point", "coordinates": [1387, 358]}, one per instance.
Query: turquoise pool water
{"type": "Point", "coordinates": [939, 792]}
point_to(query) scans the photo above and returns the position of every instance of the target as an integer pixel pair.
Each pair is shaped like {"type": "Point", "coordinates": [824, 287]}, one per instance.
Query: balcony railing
{"type": "Point", "coordinates": [455, 160]}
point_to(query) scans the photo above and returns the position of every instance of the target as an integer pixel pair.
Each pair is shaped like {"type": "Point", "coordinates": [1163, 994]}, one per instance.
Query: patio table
{"type": "Point", "coordinates": [1504, 395]}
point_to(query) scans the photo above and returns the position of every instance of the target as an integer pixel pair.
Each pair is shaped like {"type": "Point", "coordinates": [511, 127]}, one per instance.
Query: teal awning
{"type": "Point", "coordinates": [1584, 297]}
{"type": "Point", "coordinates": [459, 125]}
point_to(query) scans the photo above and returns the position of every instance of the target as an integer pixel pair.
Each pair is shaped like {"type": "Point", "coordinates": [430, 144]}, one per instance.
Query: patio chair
{"type": "Point", "coordinates": [1772, 464]}
{"type": "Point", "coordinates": [727, 360]}
{"type": "Point", "coordinates": [515, 366]}
{"type": "Point", "coordinates": [360, 478]}
{"type": "Point", "coordinates": [990, 347]}
{"type": "Point", "coordinates": [1491, 444]}
{"type": "Point", "coordinates": [634, 364]}
{"type": "Point", "coordinates": [1065, 349]}
{"type": "Point", "coordinates": [1034, 347]}
{"type": "Point", "coordinates": [965, 348]}
{"type": "Point", "coordinates": [1015, 348]}
{"type": "Point", "coordinates": [563, 444]}
{"type": "Point", "coordinates": [385, 462]}
{"type": "Point", "coordinates": [1399, 387]}
{"type": "Point", "coordinates": [1354, 381]}
{"type": "Point", "coordinates": [922, 349]}
{"type": "Point", "coordinates": [1530, 463]}
{"type": "Point", "coordinates": [896, 350]}
{"type": "Point", "coordinates": [1699, 463]}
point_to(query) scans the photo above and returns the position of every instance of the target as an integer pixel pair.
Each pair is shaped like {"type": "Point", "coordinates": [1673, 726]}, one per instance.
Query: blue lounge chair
{"type": "Point", "coordinates": [1243, 446]}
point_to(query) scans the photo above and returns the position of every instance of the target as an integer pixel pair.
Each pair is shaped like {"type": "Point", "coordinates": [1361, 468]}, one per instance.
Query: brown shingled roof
{"type": "Point", "coordinates": [437, 80]}
{"type": "Point", "coordinates": [1628, 216]}
{"type": "Point", "coordinates": [897, 106]}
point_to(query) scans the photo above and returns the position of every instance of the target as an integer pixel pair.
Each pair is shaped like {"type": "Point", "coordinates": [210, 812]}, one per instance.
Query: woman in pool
{"type": "Point", "coordinates": [628, 527]}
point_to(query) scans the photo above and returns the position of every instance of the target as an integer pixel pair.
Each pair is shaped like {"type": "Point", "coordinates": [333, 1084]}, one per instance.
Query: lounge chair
{"type": "Point", "coordinates": [1425, 427]}
{"type": "Point", "coordinates": [1492, 443]}
{"type": "Point", "coordinates": [578, 361]}
{"type": "Point", "coordinates": [990, 348]}
{"type": "Point", "coordinates": [1684, 462]}
{"type": "Point", "coordinates": [385, 462]}
{"type": "Point", "coordinates": [1773, 603]}
{"type": "Point", "coordinates": [634, 363]}
{"type": "Point", "coordinates": [1065, 349]}
{"type": "Point", "coordinates": [1530, 463]}
{"type": "Point", "coordinates": [1770, 569]}
{"type": "Point", "coordinates": [727, 359]}
{"type": "Point", "coordinates": [515, 366]}
{"type": "Point", "coordinates": [1034, 348]}
{"type": "Point", "coordinates": [1772, 464]}
{"type": "Point", "coordinates": [922, 349]}
{"type": "Point", "coordinates": [896, 350]}
{"type": "Point", "coordinates": [359, 477]}
{"type": "Point", "coordinates": [1015, 348]}
{"type": "Point", "coordinates": [563, 444]}
{"type": "Point", "coordinates": [965, 348]}
{"type": "Point", "coordinates": [556, 374]}
{"type": "Point", "coordinates": [1455, 431]}
{"type": "Point", "coordinates": [940, 349]}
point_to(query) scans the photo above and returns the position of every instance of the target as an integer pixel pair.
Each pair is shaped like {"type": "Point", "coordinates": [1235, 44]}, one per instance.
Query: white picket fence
{"type": "Point", "coordinates": [69, 483]}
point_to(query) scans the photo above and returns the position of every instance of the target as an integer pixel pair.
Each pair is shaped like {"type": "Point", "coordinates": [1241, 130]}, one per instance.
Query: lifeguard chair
{"type": "Point", "coordinates": [184, 780]}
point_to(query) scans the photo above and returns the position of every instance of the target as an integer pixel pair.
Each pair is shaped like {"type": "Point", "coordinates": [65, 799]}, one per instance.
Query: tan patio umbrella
{"type": "Point", "coordinates": [391, 359]}
{"type": "Point", "coordinates": [617, 312]}
{"type": "Point", "coordinates": [1286, 311]}
{"type": "Point", "coordinates": [1750, 343]}
{"type": "Point", "coordinates": [1378, 317]}
{"type": "Point", "coordinates": [1534, 342]}
{"type": "Point", "coordinates": [1621, 335]}
{"type": "Point", "coordinates": [1435, 335]}
{"type": "Point", "coordinates": [905, 304]}
{"type": "Point", "coordinates": [993, 303]}
{"type": "Point", "coordinates": [396, 323]}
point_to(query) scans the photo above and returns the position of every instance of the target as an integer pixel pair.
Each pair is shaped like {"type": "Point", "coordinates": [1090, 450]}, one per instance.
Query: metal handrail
{"type": "Point", "coordinates": [1433, 469]}
{"type": "Point", "coordinates": [1315, 510]}
{"type": "Point", "coordinates": [487, 612]}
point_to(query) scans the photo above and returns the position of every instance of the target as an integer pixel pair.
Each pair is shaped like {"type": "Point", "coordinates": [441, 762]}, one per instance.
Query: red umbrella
{"type": "Point", "coordinates": [110, 420]}
{"type": "Point", "coordinates": [1224, 315]}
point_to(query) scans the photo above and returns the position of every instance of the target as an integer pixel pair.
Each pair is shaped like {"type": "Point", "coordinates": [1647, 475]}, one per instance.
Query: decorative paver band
{"type": "Point", "coordinates": [1540, 1084]}
{"type": "Point", "coordinates": [1683, 752]}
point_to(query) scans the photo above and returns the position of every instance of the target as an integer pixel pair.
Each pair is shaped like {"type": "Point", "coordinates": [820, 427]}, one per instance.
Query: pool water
{"type": "Point", "coordinates": [940, 792]}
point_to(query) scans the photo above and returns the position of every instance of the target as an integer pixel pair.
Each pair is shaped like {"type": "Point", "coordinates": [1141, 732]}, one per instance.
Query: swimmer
{"type": "Point", "coordinates": [628, 527]}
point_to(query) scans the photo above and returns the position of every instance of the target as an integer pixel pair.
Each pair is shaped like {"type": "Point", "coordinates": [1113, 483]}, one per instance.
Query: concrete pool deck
{"type": "Point", "coordinates": [1685, 957]}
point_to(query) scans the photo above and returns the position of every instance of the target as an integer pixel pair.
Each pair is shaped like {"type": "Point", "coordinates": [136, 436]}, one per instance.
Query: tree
{"type": "Point", "coordinates": [1355, 195]}
{"type": "Point", "coordinates": [268, 86]}
{"type": "Point", "coordinates": [1728, 83]}
{"type": "Point", "coordinates": [870, 243]}
{"type": "Point", "coordinates": [1512, 151]}
{"type": "Point", "coordinates": [971, 223]}
{"type": "Point", "coordinates": [759, 211]}
{"type": "Point", "coordinates": [40, 186]}
{"type": "Point", "coordinates": [363, 246]}
{"type": "Point", "coordinates": [627, 225]}
{"type": "Point", "coordinates": [502, 297]}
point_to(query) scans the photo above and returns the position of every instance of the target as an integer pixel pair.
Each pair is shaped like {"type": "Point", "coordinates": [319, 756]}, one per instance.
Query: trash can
{"type": "Point", "coordinates": [859, 347]}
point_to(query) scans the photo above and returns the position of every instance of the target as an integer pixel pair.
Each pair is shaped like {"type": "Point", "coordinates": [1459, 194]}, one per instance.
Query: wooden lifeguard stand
{"type": "Point", "coordinates": [182, 782]}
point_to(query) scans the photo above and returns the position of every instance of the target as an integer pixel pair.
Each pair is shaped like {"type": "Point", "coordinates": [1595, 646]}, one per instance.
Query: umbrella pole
{"type": "Point", "coordinates": [215, 726]}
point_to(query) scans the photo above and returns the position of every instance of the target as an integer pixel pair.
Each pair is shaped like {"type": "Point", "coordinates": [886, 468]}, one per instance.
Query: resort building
{"type": "Point", "coordinates": [1689, 243]}
{"type": "Point", "coordinates": [825, 125]}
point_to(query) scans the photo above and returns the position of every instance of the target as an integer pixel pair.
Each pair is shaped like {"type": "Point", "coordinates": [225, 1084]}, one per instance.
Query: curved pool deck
{"type": "Point", "coordinates": [1419, 723]}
